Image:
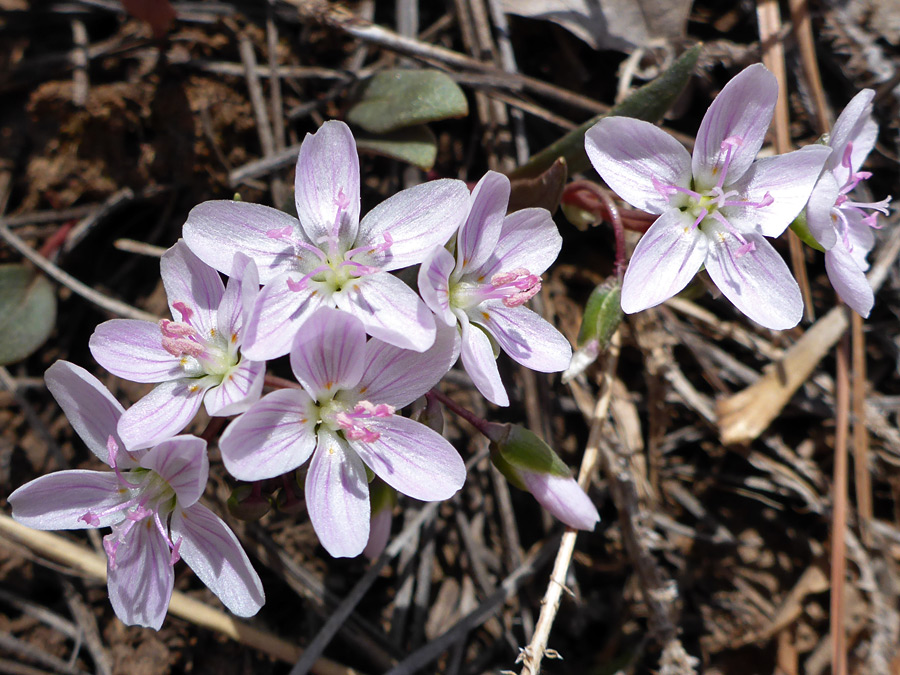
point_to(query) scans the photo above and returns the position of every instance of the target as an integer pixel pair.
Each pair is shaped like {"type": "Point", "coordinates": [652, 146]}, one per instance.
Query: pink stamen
{"type": "Point", "coordinates": [297, 286]}
{"type": "Point", "coordinates": [372, 250]}
{"type": "Point", "coordinates": [728, 146]}
{"type": "Point", "coordinates": [668, 190]}
{"type": "Point", "coordinates": [350, 421]}
{"type": "Point", "coordinates": [186, 312]}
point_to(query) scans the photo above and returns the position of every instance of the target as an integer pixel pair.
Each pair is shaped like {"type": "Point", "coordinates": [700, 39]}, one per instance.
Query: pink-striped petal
{"type": "Point", "coordinates": [849, 280]}
{"type": "Point", "coordinates": [276, 435]}
{"type": "Point", "coordinates": [632, 156]}
{"type": "Point", "coordinates": [818, 210]}
{"type": "Point", "coordinates": [477, 356]}
{"type": "Point", "coordinates": [478, 236]}
{"type": "Point", "coordinates": [758, 282]}
{"type": "Point", "coordinates": [59, 501]}
{"type": "Point", "coordinates": [415, 220]}
{"type": "Point", "coordinates": [337, 497]}
{"type": "Point", "coordinates": [399, 376]}
{"type": "Point", "coordinates": [855, 124]}
{"type": "Point", "coordinates": [240, 389]}
{"type": "Point", "coordinates": [92, 411]}
{"type": "Point", "coordinates": [277, 316]}
{"type": "Point", "coordinates": [162, 413]}
{"type": "Point", "coordinates": [412, 458]}
{"type": "Point", "coordinates": [183, 463]}
{"type": "Point", "coordinates": [326, 185]}
{"type": "Point", "coordinates": [390, 311]}
{"type": "Point", "coordinates": [194, 289]}
{"type": "Point", "coordinates": [327, 354]}
{"type": "Point", "coordinates": [740, 114]}
{"type": "Point", "coordinates": [210, 548]}
{"type": "Point", "coordinates": [133, 350]}
{"type": "Point", "coordinates": [529, 239]}
{"type": "Point", "coordinates": [562, 497]}
{"type": "Point", "coordinates": [216, 230]}
{"type": "Point", "coordinates": [525, 336]}
{"type": "Point", "coordinates": [434, 283]}
{"type": "Point", "coordinates": [665, 260]}
{"type": "Point", "coordinates": [141, 578]}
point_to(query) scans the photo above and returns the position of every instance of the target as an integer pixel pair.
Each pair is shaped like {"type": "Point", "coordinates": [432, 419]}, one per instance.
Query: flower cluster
{"type": "Point", "coordinates": [717, 206]}
{"type": "Point", "coordinates": [363, 345]}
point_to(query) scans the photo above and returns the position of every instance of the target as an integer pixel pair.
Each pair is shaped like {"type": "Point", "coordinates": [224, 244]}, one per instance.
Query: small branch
{"type": "Point", "coordinates": [482, 426]}
{"type": "Point", "coordinates": [839, 512]}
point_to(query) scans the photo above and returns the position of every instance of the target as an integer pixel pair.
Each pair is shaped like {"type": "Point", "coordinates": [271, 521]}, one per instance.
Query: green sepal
{"type": "Point", "coordinates": [521, 449]}
{"type": "Point", "coordinates": [801, 229]}
{"type": "Point", "coordinates": [602, 314]}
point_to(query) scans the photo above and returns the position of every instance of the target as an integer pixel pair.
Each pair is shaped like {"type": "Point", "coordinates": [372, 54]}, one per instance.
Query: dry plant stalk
{"type": "Point", "coordinates": [86, 562]}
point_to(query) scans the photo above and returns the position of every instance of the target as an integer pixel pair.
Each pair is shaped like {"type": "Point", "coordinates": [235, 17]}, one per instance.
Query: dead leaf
{"type": "Point", "coordinates": [609, 24]}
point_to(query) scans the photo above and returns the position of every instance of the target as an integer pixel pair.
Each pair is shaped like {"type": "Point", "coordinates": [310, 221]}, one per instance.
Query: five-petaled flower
{"type": "Point", "coordinates": [196, 359]}
{"type": "Point", "coordinates": [344, 417]}
{"type": "Point", "coordinates": [716, 207]}
{"type": "Point", "coordinates": [840, 224]}
{"type": "Point", "coordinates": [150, 500]}
{"type": "Point", "coordinates": [329, 257]}
{"type": "Point", "coordinates": [483, 290]}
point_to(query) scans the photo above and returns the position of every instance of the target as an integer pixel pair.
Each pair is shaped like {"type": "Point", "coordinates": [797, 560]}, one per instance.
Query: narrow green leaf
{"type": "Point", "coordinates": [649, 103]}
{"type": "Point", "coordinates": [415, 145]}
{"type": "Point", "coordinates": [394, 99]}
{"type": "Point", "coordinates": [27, 312]}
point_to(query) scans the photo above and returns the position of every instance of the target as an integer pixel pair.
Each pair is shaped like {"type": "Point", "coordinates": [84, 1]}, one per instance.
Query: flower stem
{"type": "Point", "coordinates": [483, 426]}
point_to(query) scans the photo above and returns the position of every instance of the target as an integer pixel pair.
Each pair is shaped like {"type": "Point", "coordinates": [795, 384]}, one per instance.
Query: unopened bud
{"type": "Point", "coordinates": [246, 503]}
{"type": "Point", "coordinates": [530, 464]}
{"type": "Point", "coordinates": [428, 411]}
{"type": "Point", "coordinates": [289, 499]}
{"type": "Point", "coordinates": [602, 314]}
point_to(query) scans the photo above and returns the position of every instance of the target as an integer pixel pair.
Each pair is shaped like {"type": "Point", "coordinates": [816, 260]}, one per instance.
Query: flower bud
{"type": "Point", "coordinates": [246, 503]}
{"type": "Point", "coordinates": [602, 316]}
{"type": "Point", "coordinates": [530, 464]}
{"type": "Point", "coordinates": [289, 499]}
{"type": "Point", "coordinates": [383, 498]}
{"type": "Point", "coordinates": [428, 411]}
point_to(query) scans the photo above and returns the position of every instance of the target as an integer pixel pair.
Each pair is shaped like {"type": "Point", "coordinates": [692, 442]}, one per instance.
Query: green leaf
{"type": "Point", "coordinates": [648, 103]}
{"type": "Point", "coordinates": [394, 99]}
{"type": "Point", "coordinates": [415, 145]}
{"type": "Point", "coordinates": [27, 311]}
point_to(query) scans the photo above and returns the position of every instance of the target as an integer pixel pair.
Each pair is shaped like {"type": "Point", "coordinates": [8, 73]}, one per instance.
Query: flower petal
{"type": "Point", "coordinates": [216, 230]}
{"type": "Point", "coordinates": [849, 280]}
{"type": "Point", "coordinates": [478, 236]}
{"type": "Point", "coordinates": [525, 336]}
{"type": "Point", "coordinates": [412, 458]}
{"type": "Point", "coordinates": [141, 579]}
{"type": "Point", "coordinates": [434, 283]}
{"type": "Point", "coordinates": [337, 497]}
{"type": "Point", "coordinates": [758, 282]}
{"type": "Point", "coordinates": [133, 350]}
{"type": "Point", "coordinates": [665, 260]}
{"type": "Point", "coordinates": [399, 376]}
{"type": "Point", "coordinates": [788, 179]}
{"type": "Point", "coordinates": [741, 111]}
{"type": "Point", "coordinates": [390, 311]}
{"type": "Point", "coordinates": [326, 184]}
{"type": "Point", "coordinates": [477, 356]}
{"type": "Point", "coordinates": [194, 284]}
{"type": "Point", "coordinates": [210, 548]}
{"type": "Point", "coordinates": [276, 435]}
{"type": "Point", "coordinates": [818, 210]}
{"type": "Point", "coordinates": [327, 354]}
{"type": "Point", "coordinates": [58, 501]}
{"type": "Point", "coordinates": [92, 411]}
{"type": "Point", "coordinates": [562, 497]}
{"type": "Point", "coordinates": [183, 463]}
{"type": "Point", "coordinates": [416, 220]}
{"type": "Point", "coordinates": [238, 300]}
{"type": "Point", "coordinates": [529, 239]}
{"type": "Point", "coordinates": [855, 124]}
{"type": "Point", "coordinates": [276, 318]}
{"type": "Point", "coordinates": [162, 413]}
{"type": "Point", "coordinates": [240, 389]}
{"type": "Point", "coordinates": [631, 154]}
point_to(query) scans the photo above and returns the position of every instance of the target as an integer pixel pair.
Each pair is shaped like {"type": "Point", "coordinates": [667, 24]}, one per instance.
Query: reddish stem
{"type": "Point", "coordinates": [483, 426]}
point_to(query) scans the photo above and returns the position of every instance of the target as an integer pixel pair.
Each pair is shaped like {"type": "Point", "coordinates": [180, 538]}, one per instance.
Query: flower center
{"type": "Point", "coordinates": [514, 288]}
{"type": "Point", "coordinates": [201, 354]}
{"type": "Point", "coordinates": [350, 418]}
{"type": "Point", "coordinates": [844, 206]}
{"type": "Point", "coordinates": [151, 497]}
{"type": "Point", "coordinates": [332, 268]}
{"type": "Point", "coordinates": [701, 205]}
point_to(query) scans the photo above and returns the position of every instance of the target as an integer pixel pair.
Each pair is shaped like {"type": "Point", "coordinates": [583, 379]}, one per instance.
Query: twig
{"type": "Point", "coordinates": [88, 625]}
{"type": "Point", "coordinates": [257, 99]}
{"type": "Point", "coordinates": [12, 644]}
{"type": "Point", "coordinates": [111, 305]}
{"type": "Point", "coordinates": [536, 649]}
{"type": "Point", "coordinates": [112, 203]}
{"type": "Point", "coordinates": [93, 565]}
{"type": "Point", "coordinates": [839, 512]}
{"type": "Point", "coordinates": [862, 473]}
{"type": "Point", "coordinates": [139, 247]}
{"type": "Point", "coordinates": [80, 80]}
